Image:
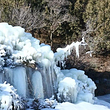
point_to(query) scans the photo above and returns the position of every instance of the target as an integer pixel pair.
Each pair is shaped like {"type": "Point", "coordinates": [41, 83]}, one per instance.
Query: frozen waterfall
{"type": "Point", "coordinates": [31, 68]}
{"type": "Point", "coordinates": [26, 64]}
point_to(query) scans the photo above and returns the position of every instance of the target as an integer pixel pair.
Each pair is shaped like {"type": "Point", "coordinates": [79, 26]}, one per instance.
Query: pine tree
{"type": "Point", "coordinates": [97, 13]}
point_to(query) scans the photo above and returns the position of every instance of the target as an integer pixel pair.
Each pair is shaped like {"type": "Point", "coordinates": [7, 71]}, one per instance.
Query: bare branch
{"type": "Point", "coordinates": [23, 16]}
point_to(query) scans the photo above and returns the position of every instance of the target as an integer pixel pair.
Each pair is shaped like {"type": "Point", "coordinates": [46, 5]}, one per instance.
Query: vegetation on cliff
{"type": "Point", "coordinates": [64, 19]}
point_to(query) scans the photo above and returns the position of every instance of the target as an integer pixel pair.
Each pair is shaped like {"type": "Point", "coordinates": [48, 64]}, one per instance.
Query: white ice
{"type": "Point", "coordinates": [67, 90]}
{"type": "Point", "coordinates": [8, 96]}
{"type": "Point", "coordinates": [37, 85]}
{"type": "Point", "coordinates": [18, 47]}
{"type": "Point", "coordinates": [76, 87]}
{"type": "Point", "coordinates": [62, 53]}
{"type": "Point", "coordinates": [20, 80]}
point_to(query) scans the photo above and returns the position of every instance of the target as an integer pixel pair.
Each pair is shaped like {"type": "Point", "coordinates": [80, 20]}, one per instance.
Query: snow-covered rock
{"type": "Point", "coordinates": [9, 99]}
{"type": "Point", "coordinates": [76, 87]}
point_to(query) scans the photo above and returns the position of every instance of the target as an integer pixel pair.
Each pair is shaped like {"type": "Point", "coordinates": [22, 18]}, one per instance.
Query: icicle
{"type": "Point", "coordinates": [77, 44]}
{"type": "Point", "coordinates": [89, 52]}
{"type": "Point", "coordinates": [19, 80]}
{"type": "Point", "coordinates": [37, 85]}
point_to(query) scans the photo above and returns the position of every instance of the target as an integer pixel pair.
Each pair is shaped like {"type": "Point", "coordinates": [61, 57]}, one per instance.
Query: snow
{"type": "Point", "coordinates": [67, 90]}
{"type": "Point", "coordinates": [80, 106]}
{"type": "Point", "coordinates": [8, 96]}
{"type": "Point", "coordinates": [102, 102]}
{"type": "Point", "coordinates": [99, 104]}
{"type": "Point", "coordinates": [105, 98]}
{"type": "Point", "coordinates": [76, 87]}
{"type": "Point", "coordinates": [48, 109]}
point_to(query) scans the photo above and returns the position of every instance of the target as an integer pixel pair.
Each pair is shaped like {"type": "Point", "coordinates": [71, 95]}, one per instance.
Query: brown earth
{"type": "Point", "coordinates": [99, 71]}
{"type": "Point", "coordinates": [96, 67]}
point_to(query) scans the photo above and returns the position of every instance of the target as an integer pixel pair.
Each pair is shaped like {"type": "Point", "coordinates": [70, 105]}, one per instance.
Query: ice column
{"type": "Point", "coordinates": [37, 85]}
{"type": "Point", "coordinates": [20, 80]}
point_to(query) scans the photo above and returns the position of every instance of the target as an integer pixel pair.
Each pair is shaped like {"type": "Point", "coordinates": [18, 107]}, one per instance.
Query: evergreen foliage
{"type": "Point", "coordinates": [97, 12]}
{"type": "Point", "coordinates": [70, 19]}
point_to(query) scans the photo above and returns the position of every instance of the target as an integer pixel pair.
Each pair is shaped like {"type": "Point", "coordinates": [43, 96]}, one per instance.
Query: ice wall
{"type": "Point", "coordinates": [29, 82]}
{"type": "Point", "coordinates": [25, 63]}
{"type": "Point", "coordinates": [31, 68]}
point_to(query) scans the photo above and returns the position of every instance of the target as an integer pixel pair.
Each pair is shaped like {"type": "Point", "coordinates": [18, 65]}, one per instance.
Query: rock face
{"type": "Point", "coordinates": [99, 71]}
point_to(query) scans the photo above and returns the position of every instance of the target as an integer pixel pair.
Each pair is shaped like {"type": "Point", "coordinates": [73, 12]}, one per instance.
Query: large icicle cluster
{"type": "Point", "coordinates": [62, 53]}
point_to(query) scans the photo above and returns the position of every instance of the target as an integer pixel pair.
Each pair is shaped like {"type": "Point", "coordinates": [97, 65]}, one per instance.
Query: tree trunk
{"type": "Point", "coordinates": [51, 38]}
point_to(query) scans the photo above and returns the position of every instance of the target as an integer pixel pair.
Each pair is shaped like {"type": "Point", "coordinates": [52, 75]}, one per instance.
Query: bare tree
{"type": "Point", "coordinates": [28, 19]}
{"type": "Point", "coordinates": [89, 34]}
{"type": "Point", "coordinates": [58, 14]}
